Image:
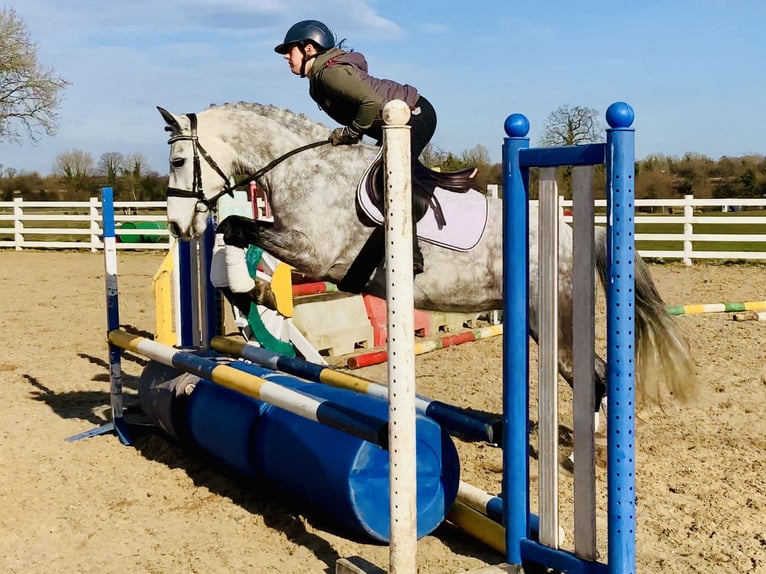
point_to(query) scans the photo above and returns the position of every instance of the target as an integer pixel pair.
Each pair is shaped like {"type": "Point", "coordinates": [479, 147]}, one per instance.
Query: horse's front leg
{"type": "Point", "coordinates": [240, 231]}
{"type": "Point", "coordinates": [286, 244]}
{"type": "Point", "coordinates": [229, 271]}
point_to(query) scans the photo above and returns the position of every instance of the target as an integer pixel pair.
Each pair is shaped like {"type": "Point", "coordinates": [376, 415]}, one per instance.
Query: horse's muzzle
{"type": "Point", "coordinates": [173, 229]}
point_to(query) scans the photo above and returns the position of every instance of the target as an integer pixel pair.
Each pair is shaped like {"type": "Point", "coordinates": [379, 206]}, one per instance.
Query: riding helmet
{"type": "Point", "coordinates": [307, 31]}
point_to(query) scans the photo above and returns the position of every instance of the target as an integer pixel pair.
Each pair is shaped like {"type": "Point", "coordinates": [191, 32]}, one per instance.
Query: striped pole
{"type": "Point", "coordinates": [117, 424]}
{"type": "Point", "coordinates": [492, 507]}
{"type": "Point", "coordinates": [479, 525]}
{"type": "Point", "coordinates": [452, 418]}
{"type": "Point", "coordinates": [323, 411]}
{"type": "Point", "coordinates": [716, 308]}
{"type": "Point", "coordinates": [750, 316]}
{"type": "Point", "coordinates": [315, 288]}
{"type": "Point", "coordinates": [113, 313]}
{"type": "Point", "coordinates": [377, 357]}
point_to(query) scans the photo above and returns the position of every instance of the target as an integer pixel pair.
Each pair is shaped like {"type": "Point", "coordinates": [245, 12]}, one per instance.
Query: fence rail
{"type": "Point", "coordinates": [689, 229]}
{"type": "Point", "coordinates": [79, 225]}
{"type": "Point", "coordinates": [725, 229]}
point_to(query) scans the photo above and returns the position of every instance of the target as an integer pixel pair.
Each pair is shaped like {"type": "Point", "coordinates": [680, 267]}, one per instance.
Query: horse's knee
{"type": "Point", "coordinates": [233, 231]}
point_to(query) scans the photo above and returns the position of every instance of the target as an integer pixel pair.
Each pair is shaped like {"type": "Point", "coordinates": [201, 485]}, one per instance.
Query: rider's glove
{"type": "Point", "coordinates": [344, 136]}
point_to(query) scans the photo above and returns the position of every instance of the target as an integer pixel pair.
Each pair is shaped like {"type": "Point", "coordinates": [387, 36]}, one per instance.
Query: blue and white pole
{"type": "Point", "coordinates": [113, 315]}
{"type": "Point", "coordinates": [319, 410]}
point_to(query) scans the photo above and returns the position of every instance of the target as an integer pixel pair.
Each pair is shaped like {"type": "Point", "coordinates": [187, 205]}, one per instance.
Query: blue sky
{"type": "Point", "coordinates": [692, 69]}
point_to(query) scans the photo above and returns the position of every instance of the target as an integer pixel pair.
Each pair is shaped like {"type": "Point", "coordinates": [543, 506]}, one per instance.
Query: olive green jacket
{"type": "Point", "coordinates": [340, 84]}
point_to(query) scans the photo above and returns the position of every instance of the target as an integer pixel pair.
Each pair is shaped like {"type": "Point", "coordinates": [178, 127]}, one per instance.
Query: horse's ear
{"type": "Point", "coordinates": [170, 119]}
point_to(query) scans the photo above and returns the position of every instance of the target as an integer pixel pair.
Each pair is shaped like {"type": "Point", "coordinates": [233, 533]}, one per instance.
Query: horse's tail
{"type": "Point", "coordinates": [662, 352]}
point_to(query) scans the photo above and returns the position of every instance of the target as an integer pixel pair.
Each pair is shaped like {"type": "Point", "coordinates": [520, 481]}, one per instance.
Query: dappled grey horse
{"type": "Point", "coordinates": [321, 228]}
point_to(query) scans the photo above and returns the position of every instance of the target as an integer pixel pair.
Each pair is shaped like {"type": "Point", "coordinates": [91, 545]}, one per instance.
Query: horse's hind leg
{"type": "Point", "coordinates": [565, 362]}
{"type": "Point", "coordinates": [599, 382]}
{"type": "Point", "coordinates": [599, 375]}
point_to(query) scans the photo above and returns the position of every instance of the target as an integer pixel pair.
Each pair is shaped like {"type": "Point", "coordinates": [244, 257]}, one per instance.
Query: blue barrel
{"type": "Point", "coordinates": [189, 409]}
{"type": "Point", "coordinates": [163, 393]}
{"type": "Point", "coordinates": [222, 423]}
{"type": "Point", "coordinates": [348, 478]}
{"type": "Point", "coordinates": [325, 470]}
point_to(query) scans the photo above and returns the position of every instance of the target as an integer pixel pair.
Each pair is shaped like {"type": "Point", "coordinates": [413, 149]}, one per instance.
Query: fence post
{"type": "Point", "coordinates": [18, 224]}
{"type": "Point", "coordinates": [401, 335]}
{"type": "Point", "coordinates": [515, 338]}
{"type": "Point", "coordinates": [95, 228]}
{"type": "Point", "coordinates": [688, 229]}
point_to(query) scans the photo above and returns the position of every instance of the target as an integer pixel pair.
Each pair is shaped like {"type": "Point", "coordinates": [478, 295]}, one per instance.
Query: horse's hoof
{"type": "Point", "coordinates": [568, 463]}
{"type": "Point", "coordinates": [263, 295]}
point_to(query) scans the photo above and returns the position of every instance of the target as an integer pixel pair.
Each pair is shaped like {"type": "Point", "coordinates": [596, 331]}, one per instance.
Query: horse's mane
{"type": "Point", "coordinates": [259, 133]}
{"type": "Point", "coordinates": [297, 123]}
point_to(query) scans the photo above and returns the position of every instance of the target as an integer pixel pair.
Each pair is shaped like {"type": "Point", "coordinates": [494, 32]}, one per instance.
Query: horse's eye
{"type": "Point", "coordinates": [178, 162]}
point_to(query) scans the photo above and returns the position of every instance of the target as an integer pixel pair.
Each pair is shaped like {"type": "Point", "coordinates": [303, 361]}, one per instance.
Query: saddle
{"type": "Point", "coordinates": [424, 183]}
{"type": "Point", "coordinates": [436, 197]}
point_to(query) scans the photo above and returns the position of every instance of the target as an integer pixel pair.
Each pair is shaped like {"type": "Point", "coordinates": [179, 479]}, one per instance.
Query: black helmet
{"type": "Point", "coordinates": [307, 31]}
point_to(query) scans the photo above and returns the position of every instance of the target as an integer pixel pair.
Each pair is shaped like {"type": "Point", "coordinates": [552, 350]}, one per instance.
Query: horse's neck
{"type": "Point", "coordinates": [322, 178]}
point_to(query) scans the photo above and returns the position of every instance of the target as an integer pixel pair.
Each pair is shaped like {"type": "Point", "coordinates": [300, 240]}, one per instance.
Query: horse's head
{"type": "Point", "coordinates": [196, 180]}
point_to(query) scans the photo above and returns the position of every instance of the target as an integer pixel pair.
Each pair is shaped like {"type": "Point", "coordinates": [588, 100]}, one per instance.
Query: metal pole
{"type": "Point", "coordinates": [620, 158]}
{"type": "Point", "coordinates": [515, 338]}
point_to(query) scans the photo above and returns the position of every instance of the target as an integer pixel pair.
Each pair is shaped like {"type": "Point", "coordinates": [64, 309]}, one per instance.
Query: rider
{"type": "Point", "coordinates": [340, 84]}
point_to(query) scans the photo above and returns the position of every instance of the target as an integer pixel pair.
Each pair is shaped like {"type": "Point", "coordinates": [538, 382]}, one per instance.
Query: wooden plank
{"type": "Point", "coordinates": [547, 424]}
{"type": "Point", "coordinates": [583, 348]}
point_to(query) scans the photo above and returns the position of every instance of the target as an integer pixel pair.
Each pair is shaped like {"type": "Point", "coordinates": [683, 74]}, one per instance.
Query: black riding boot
{"type": "Point", "coordinates": [417, 254]}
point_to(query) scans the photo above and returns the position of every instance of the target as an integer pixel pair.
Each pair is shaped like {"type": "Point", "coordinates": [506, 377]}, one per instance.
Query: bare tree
{"type": "Point", "coordinates": [75, 168]}
{"type": "Point", "coordinates": [109, 165]}
{"type": "Point", "coordinates": [431, 156]}
{"type": "Point", "coordinates": [134, 163]}
{"type": "Point", "coordinates": [572, 126]}
{"type": "Point", "coordinates": [132, 172]}
{"type": "Point", "coordinates": [478, 157]}
{"type": "Point", "coordinates": [29, 92]}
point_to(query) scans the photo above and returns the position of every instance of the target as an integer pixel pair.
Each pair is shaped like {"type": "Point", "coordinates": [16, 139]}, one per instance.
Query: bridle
{"type": "Point", "coordinates": [205, 204]}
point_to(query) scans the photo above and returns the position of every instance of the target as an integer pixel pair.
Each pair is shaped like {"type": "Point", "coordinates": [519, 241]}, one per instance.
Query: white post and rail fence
{"type": "Point", "coordinates": [684, 228]}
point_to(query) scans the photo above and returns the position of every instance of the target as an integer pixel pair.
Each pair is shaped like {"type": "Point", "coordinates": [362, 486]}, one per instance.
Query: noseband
{"type": "Point", "coordinates": [197, 192]}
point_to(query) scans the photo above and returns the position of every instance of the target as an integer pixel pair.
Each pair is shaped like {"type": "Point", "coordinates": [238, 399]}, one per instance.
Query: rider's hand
{"type": "Point", "coordinates": [344, 136]}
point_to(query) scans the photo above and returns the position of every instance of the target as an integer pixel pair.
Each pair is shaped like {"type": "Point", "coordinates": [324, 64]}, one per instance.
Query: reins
{"type": "Point", "coordinates": [197, 191]}
{"type": "Point", "coordinates": [274, 163]}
